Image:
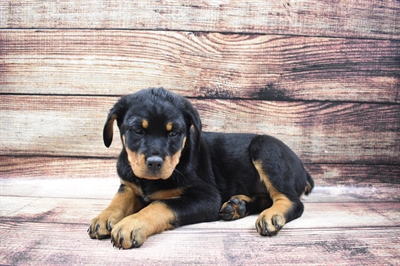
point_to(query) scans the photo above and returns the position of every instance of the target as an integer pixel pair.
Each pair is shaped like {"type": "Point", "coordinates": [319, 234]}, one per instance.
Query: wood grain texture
{"type": "Point", "coordinates": [79, 210]}
{"type": "Point", "coordinates": [367, 19]}
{"type": "Point", "coordinates": [323, 76]}
{"type": "Point", "coordinates": [51, 217]}
{"type": "Point", "coordinates": [319, 132]}
{"type": "Point", "coordinates": [210, 65]}
{"type": "Point", "coordinates": [205, 246]}
{"type": "Point", "coordinates": [92, 187]}
{"type": "Point", "coordinates": [354, 175]}
{"type": "Point", "coordinates": [57, 167]}
{"type": "Point", "coordinates": [332, 175]}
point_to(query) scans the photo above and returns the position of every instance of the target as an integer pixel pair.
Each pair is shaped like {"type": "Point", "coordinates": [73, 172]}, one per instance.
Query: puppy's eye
{"type": "Point", "coordinates": [138, 131]}
{"type": "Point", "coordinates": [173, 133]}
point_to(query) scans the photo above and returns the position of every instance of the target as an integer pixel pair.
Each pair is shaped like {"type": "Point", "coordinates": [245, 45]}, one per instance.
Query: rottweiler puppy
{"type": "Point", "coordinates": [173, 174]}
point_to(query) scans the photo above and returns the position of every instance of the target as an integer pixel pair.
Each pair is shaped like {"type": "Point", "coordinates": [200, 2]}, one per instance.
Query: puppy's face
{"type": "Point", "coordinates": [153, 140]}
{"type": "Point", "coordinates": [154, 126]}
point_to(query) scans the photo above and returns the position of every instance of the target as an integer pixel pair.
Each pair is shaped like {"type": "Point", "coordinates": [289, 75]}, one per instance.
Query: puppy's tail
{"type": "Point", "coordinates": [310, 184]}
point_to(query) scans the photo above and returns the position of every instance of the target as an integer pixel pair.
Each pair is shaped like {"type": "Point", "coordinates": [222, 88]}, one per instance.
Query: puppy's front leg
{"type": "Point", "coordinates": [133, 230]}
{"type": "Point", "coordinates": [123, 204]}
{"type": "Point", "coordinates": [168, 210]}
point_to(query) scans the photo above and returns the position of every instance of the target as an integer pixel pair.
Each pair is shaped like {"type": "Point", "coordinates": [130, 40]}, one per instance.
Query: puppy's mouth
{"type": "Point", "coordinates": [153, 167]}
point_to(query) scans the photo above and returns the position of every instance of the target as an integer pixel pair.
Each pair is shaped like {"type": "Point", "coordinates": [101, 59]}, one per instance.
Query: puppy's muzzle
{"type": "Point", "coordinates": [154, 164]}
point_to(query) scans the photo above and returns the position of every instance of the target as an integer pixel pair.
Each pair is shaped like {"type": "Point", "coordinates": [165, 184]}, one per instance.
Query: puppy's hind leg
{"type": "Point", "coordinates": [283, 174]}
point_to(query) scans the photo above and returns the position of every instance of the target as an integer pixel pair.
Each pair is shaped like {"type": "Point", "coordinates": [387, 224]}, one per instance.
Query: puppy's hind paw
{"type": "Point", "coordinates": [233, 209]}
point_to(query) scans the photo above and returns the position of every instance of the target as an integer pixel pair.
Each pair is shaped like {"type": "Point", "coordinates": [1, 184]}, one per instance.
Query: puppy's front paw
{"type": "Point", "coordinates": [102, 225]}
{"type": "Point", "coordinates": [130, 232]}
{"type": "Point", "coordinates": [269, 224]}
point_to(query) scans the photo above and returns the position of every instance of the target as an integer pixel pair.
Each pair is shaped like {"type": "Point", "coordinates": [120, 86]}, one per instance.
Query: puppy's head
{"type": "Point", "coordinates": [154, 125]}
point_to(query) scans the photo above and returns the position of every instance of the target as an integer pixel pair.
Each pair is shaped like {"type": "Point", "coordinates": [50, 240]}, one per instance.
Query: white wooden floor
{"type": "Point", "coordinates": [44, 221]}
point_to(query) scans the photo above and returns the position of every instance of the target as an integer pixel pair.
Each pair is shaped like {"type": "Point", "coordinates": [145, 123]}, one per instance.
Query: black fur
{"type": "Point", "coordinates": [212, 168]}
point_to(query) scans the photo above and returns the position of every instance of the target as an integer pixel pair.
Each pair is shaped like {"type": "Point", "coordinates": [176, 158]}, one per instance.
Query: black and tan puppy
{"type": "Point", "coordinates": [173, 174]}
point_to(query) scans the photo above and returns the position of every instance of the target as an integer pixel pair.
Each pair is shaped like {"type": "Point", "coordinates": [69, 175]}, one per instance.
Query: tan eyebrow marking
{"type": "Point", "coordinates": [145, 124]}
{"type": "Point", "coordinates": [169, 126]}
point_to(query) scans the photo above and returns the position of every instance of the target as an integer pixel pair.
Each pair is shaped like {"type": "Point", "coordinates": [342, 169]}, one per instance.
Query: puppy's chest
{"type": "Point", "coordinates": [160, 190]}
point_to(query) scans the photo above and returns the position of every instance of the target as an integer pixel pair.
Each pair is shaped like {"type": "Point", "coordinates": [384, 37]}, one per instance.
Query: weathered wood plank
{"type": "Point", "coordinates": [199, 65]}
{"type": "Point", "coordinates": [39, 167]}
{"type": "Point", "coordinates": [57, 167]}
{"type": "Point", "coordinates": [354, 175]}
{"type": "Point", "coordinates": [329, 131]}
{"type": "Point", "coordinates": [55, 125]}
{"type": "Point", "coordinates": [367, 19]}
{"type": "Point", "coordinates": [45, 221]}
{"type": "Point", "coordinates": [105, 188]}
{"type": "Point", "coordinates": [348, 233]}
{"type": "Point", "coordinates": [51, 208]}
{"type": "Point", "coordinates": [320, 132]}
{"type": "Point", "coordinates": [65, 188]}
{"type": "Point", "coordinates": [32, 243]}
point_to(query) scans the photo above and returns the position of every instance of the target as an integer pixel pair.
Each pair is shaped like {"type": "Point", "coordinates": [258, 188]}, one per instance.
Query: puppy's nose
{"type": "Point", "coordinates": [154, 163]}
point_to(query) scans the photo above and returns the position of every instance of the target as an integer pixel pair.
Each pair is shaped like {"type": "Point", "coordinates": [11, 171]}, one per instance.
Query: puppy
{"type": "Point", "coordinates": [173, 174]}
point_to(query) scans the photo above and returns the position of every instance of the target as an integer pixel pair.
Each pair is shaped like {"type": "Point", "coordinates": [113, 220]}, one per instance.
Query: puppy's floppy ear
{"type": "Point", "coordinates": [116, 113]}
{"type": "Point", "coordinates": [193, 116]}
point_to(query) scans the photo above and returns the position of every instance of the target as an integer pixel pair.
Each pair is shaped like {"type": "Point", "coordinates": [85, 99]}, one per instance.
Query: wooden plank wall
{"type": "Point", "coordinates": [321, 75]}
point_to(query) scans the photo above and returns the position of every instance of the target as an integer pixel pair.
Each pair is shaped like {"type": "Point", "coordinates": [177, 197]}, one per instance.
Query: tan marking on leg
{"type": "Point", "coordinates": [272, 219]}
{"type": "Point", "coordinates": [123, 204]}
{"type": "Point", "coordinates": [169, 126]}
{"type": "Point", "coordinates": [145, 123]}
{"type": "Point", "coordinates": [133, 230]}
